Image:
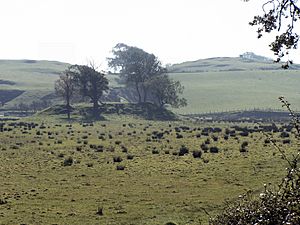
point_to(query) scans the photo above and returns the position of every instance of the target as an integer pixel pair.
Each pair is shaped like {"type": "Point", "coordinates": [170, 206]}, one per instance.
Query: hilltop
{"type": "Point", "coordinates": [245, 62]}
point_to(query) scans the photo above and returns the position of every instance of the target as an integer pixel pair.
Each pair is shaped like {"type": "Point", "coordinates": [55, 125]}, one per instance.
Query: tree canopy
{"type": "Point", "coordinates": [90, 83]}
{"type": "Point", "coordinates": [281, 16]}
{"type": "Point", "coordinates": [166, 91]}
{"type": "Point", "coordinates": [136, 67]}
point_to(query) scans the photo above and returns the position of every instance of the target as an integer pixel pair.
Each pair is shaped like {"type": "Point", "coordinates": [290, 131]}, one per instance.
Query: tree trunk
{"type": "Point", "coordinates": [145, 93]}
{"type": "Point", "coordinates": [68, 106]}
{"type": "Point", "coordinates": [138, 91]}
{"type": "Point", "coordinates": [69, 112]}
{"type": "Point", "coordinates": [95, 108]}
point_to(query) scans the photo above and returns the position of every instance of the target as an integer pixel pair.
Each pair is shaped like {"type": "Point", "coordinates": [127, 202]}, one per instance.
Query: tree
{"type": "Point", "coordinates": [165, 91]}
{"type": "Point", "coordinates": [279, 15]}
{"type": "Point", "coordinates": [136, 67]}
{"type": "Point", "coordinates": [90, 83]}
{"type": "Point", "coordinates": [65, 87]}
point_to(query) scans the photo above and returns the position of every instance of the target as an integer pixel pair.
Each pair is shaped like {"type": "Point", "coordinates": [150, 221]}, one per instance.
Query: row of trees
{"type": "Point", "coordinates": [144, 73]}
{"type": "Point", "coordinates": [140, 71]}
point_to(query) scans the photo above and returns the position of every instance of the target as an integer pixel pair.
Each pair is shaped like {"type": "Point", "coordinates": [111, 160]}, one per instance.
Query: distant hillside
{"type": "Point", "coordinates": [27, 80]}
{"type": "Point", "coordinates": [24, 81]}
{"type": "Point", "coordinates": [245, 62]}
{"type": "Point", "coordinates": [241, 83]}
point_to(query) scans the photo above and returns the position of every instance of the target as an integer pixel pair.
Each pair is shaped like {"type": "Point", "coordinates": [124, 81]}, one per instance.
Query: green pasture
{"type": "Point", "coordinates": [157, 185]}
{"type": "Point", "coordinates": [238, 90]}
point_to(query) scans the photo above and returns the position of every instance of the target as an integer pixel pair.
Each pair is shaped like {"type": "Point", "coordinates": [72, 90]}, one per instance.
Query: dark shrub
{"type": "Point", "coordinates": [244, 133]}
{"type": "Point", "coordinates": [99, 148]}
{"type": "Point", "coordinates": [217, 130]}
{"type": "Point", "coordinates": [284, 135]}
{"type": "Point", "coordinates": [60, 155]}
{"type": "Point", "coordinates": [99, 211]}
{"type": "Point", "coordinates": [215, 138]}
{"type": "Point", "coordinates": [130, 157]}
{"type": "Point", "coordinates": [244, 144]}
{"type": "Point", "coordinates": [243, 149]}
{"type": "Point", "coordinates": [117, 159]}
{"type": "Point", "coordinates": [155, 151]}
{"type": "Point", "coordinates": [119, 167]}
{"type": "Point", "coordinates": [3, 202]}
{"type": "Point", "coordinates": [197, 154]}
{"type": "Point", "coordinates": [124, 149]}
{"type": "Point", "coordinates": [207, 141]}
{"type": "Point", "coordinates": [68, 161]}
{"type": "Point", "coordinates": [90, 164]}
{"type": "Point", "coordinates": [179, 136]}
{"type": "Point", "coordinates": [213, 149]}
{"type": "Point", "coordinates": [183, 150]}
{"type": "Point", "coordinates": [286, 141]}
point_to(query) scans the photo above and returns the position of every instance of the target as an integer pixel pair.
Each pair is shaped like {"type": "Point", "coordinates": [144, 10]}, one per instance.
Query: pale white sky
{"type": "Point", "coordinates": [76, 31]}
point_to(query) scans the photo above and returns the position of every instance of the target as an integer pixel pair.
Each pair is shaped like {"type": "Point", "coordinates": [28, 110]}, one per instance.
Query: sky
{"type": "Point", "coordinates": [78, 31]}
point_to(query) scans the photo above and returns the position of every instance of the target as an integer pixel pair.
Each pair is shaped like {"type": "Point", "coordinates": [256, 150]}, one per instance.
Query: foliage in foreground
{"type": "Point", "coordinates": [274, 206]}
{"type": "Point", "coordinates": [281, 206]}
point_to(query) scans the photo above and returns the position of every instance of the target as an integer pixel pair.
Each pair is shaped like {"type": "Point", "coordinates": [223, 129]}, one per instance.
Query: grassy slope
{"type": "Point", "coordinates": [236, 90]}
{"type": "Point", "coordinates": [225, 64]}
{"type": "Point", "coordinates": [36, 78]}
{"type": "Point", "coordinates": [216, 90]}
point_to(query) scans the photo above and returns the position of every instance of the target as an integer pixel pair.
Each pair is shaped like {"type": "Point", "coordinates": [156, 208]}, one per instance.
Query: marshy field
{"type": "Point", "coordinates": [133, 171]}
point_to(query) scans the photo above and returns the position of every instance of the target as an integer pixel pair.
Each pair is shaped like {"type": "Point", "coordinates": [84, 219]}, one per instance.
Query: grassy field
{"type": "Point", "coordinates": [252, 86]}
{"type": "Point", "coordinates": [129, 171]}
{"type": "Point", "coordinates": [238, 90]}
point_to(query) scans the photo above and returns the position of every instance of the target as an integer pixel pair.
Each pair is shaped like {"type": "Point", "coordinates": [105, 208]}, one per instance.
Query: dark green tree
{"type": "Point", "coordinates": [165, 90]}
{"type": "Point", "coordinates": [280, 16]}
{"type": "Point", "coordinates": [91, 84]}
{"type": "Point", "coordinates": [136, 68]}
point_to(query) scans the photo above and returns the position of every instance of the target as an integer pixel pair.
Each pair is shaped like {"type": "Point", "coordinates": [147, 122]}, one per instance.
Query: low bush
{"type": "Point", "coordinates": [183, 150]}
{"type": "Point", "coordinates": [68, 161]}
{"type": "Point", "coordinates": [197, 154]}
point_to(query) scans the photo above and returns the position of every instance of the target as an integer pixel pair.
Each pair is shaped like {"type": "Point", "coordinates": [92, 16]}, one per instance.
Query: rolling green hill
{"type": "Point", "coordinates": [245, 62]}
{"type": "Point", "coordinates": [238, 90]}
{"type": "Point", "coordinates": [211, 85]}
{"type": "Point", "coordinates": [246, 82]}
{"type": "Point", "coordinates": [32, 79]}
{"type": "Point", "coordinates": [24, 81]}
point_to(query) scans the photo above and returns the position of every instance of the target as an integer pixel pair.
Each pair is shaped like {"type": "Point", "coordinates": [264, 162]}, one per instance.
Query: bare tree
{"type": "Point", "coordinates": [65, 87]}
